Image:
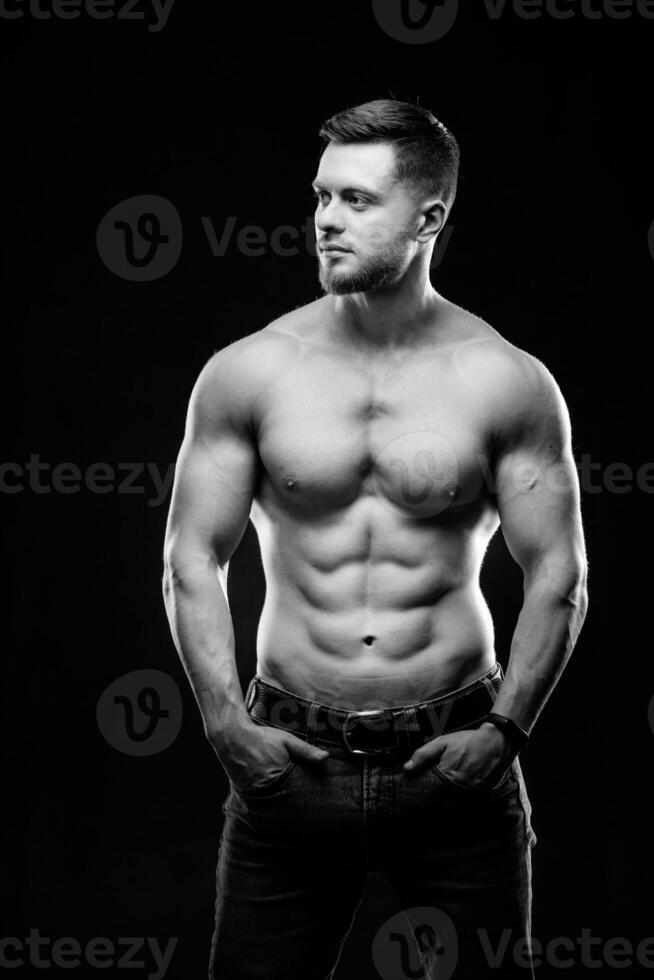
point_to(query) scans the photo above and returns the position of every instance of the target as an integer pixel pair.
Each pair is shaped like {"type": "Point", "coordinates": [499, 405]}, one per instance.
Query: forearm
{"type": "Point", "coordinates": [549, 623]}
{"type": "Point", "coordinates": [202, 629]}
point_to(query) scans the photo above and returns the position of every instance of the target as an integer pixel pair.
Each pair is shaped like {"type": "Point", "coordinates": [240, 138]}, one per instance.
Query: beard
{"type": "Point", "coordinates": [374, 271]}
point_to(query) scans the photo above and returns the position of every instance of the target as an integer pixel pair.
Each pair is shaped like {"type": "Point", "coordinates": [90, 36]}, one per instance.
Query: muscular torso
{"type": "Point", "coordinates": [373, 512]}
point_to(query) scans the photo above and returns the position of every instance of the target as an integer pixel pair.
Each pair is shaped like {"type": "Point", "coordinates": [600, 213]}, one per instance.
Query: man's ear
{"type": "Point", "coordinates": [433, 215]}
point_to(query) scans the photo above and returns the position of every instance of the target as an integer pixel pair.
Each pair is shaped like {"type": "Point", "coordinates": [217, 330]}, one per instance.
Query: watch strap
{"type": "Point", "coordinates": [506, 725]}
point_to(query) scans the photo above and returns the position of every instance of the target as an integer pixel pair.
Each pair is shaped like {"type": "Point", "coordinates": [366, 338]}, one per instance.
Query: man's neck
{"type": "Point", "coordinates": [393, 317]}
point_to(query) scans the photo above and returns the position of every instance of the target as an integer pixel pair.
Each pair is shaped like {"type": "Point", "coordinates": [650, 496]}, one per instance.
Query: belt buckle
{"type": "Point", "coordinates": [347, 732]}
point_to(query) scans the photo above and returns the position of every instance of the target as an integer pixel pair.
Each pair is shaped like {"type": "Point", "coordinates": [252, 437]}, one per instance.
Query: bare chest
{"type": "Point", "coordinates": [329, 433]}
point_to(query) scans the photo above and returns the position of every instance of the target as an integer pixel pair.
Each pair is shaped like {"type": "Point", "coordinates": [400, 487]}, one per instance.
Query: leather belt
{"type": "Point", "coordinates": [377, 729]}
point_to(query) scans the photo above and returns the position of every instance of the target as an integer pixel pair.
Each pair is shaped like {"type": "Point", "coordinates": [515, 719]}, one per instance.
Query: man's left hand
{"type": "Point", "coordinates": [477, 758]}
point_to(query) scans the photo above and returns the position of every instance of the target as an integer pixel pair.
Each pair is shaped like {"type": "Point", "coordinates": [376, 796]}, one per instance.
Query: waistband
{"type": "Point", "coordinates": [374, 730]}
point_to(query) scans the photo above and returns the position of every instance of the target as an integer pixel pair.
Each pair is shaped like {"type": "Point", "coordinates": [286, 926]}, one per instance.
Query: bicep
{"type": "Point", "coordinates": [211, 499]}
{"type": "Point", "coordinates": [537, 487]}
{"type": "Point", "coordinates": [215, 479]}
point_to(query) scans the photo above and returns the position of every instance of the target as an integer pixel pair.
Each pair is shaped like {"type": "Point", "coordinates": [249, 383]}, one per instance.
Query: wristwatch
{"type": "Point", "coordinates": [513, 732]}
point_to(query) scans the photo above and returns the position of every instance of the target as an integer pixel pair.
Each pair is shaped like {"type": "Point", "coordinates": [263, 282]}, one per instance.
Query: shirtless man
{"type": "Point", "coordinates": [377, 437]}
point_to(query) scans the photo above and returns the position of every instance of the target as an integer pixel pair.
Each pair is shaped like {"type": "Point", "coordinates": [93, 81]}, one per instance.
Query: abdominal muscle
{"type": "Point", "coordinates": [365, 634]}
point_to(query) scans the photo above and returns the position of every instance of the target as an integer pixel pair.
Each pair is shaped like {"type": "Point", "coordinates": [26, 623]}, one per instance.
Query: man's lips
{"type": "Point", "coordinates": [333, 248]}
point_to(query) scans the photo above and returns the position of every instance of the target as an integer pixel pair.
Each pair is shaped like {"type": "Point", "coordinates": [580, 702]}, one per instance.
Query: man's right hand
{"type": "Point", "coordinates": [253, 755]}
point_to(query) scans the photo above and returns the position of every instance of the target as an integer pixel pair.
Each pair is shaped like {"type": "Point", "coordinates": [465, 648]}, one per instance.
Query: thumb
{"type": "Point", "coordinates": [428, 752]}
{"type": "Point", "coordinates": [300, 749]}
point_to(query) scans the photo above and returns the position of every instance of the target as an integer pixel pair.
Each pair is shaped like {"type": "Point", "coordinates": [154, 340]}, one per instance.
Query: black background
{"type": "Point", "coordinates": [218, 113]}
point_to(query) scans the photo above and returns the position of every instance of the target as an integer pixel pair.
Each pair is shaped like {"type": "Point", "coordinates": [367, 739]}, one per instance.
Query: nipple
{"type": "Point", "coordinates": [291, 483]}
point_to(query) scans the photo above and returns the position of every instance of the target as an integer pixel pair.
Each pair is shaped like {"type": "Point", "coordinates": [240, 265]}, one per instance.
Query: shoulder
{"type": "Point", "coordinates": [516, 389]}
{"type": "Point", "coordinates": [250, 355]}
{"type": "Point", "coordinates": [235, 375]}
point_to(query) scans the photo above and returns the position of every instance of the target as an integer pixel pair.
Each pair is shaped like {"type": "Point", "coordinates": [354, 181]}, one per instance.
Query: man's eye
{"type": "Point", "coordinates": [318, 195]}
{"type": "Point", "coordinates": [357, 201]}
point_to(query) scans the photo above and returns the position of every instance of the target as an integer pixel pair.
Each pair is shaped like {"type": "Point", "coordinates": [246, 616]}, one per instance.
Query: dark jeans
{"type": "Point", "coordinates": [295, 853]}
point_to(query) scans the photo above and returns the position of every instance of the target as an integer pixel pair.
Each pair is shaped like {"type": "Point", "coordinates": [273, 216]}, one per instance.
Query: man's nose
{"type": "Point", "coordinates": [329, 218]}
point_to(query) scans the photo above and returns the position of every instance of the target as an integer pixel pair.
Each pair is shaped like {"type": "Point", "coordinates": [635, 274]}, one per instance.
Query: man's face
{"type": "Point", "coordinates": [361, 207]}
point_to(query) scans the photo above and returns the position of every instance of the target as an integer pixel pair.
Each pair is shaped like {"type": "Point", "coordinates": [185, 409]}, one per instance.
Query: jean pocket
{"type": "Point", "coordinates": [475, 792]}
{"type": "Point", "coordinates": [270, 786]}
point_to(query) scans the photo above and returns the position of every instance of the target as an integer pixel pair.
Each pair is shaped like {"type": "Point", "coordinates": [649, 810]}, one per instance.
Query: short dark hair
{"type": "Point", "coordinates": [427, 154]}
